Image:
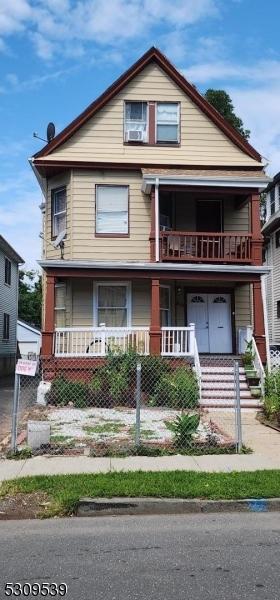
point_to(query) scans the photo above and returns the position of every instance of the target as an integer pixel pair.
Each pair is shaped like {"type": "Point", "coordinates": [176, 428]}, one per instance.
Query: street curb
{"type": "Point", "coordinates": [94, 507]}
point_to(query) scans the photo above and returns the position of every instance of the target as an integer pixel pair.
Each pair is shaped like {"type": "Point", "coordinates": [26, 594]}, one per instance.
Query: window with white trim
{"type": "Point", "coordinates": [8, 271]}
{"type": "Point", "coordinates": [60, 304]}
{"type": "Point", "coordinates": [165, 305]}
{"type": "Point", "coordinates": [111, 209]}
{"type": "Point", "coordinates": [6, 327]}
{"type": "Point", "coordinates": [113, 304]}
{"type": "Point", "coordinates": [136, 121]}
{"type": "Point", "coordinates": [167, 122]}
{"type": "Point", "coordinates": [58, 211]}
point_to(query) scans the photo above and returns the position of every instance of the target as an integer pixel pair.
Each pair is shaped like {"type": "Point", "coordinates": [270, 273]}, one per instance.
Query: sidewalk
{"type": "Point", "coordinates": [43, 465]}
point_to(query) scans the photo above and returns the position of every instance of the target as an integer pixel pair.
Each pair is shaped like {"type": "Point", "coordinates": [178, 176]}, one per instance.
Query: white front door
{"type": "Point", "coordinates": [211, 314]}
{"type": "Point", "coordinates": [198, 314]}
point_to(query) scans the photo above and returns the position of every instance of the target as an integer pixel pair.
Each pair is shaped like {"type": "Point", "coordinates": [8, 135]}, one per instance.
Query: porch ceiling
{"type": "Point", "coordinates": [228, 178]}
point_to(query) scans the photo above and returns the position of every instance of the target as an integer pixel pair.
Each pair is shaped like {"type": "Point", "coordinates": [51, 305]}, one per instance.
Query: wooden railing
{"type": "Point", "coordinates": [233, 247]}
{"type": "Point", "coordinates": [177, 341]}
{"type": "Point", "coordinates": [99, 341]}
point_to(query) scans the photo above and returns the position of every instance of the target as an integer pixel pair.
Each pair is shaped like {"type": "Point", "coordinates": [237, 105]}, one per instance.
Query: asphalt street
{"type": "Point", "coordinates": [193, 557]}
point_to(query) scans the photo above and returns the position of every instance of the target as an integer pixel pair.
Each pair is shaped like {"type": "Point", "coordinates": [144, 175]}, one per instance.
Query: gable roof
{"type": "Point", "coordinates": [9, 251]}
{"type": "Point", "coordinates": [152, 55]}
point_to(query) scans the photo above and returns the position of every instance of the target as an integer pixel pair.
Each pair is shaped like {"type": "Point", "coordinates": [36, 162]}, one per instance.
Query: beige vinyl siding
{"type": "Point", "coordinates": [53, 183]}
{"type": "Point", "coordinates": [185, 214]}
{"type": "Point", "coordinates": [101, 138]}
{"type": "Point", "coordinates": [236, 219]}
{"type": "Point", "coordinates": [85, 245]}
{"type": "Point", "coordinates": [141, 303]}
{"type": "Point", "coordinates": [243, 305]}
{"type": "Point", "coordinates": [82, 303]}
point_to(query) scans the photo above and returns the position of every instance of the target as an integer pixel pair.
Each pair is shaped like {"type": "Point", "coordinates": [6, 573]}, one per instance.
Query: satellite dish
{"type": "Point", "coordinates": [59, 240]}
{"type": "Point", "coordinates": [50, 132]}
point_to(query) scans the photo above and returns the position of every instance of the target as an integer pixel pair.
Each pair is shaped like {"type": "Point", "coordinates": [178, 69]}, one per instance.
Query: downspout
{"type": "Point", "coordinates": [263, 288]}
{"type": "Point", "coordinates": [157, 218]}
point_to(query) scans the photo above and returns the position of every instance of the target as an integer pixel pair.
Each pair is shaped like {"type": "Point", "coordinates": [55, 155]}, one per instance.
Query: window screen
{"type": "Point", "coordinates": [112, 209]}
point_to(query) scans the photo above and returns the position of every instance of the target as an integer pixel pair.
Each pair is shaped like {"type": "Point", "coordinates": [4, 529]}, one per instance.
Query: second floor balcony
{"type": "Point", "coordinates": [205, 224]}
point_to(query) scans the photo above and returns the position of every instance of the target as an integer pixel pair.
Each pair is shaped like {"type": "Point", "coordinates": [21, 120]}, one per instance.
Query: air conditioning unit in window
{"type": "Point", "coordinates": [132, 135]}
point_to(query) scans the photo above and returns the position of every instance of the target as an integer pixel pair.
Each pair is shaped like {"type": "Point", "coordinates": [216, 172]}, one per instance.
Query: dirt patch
{"type": "Point", "coordinates": [24, 506]}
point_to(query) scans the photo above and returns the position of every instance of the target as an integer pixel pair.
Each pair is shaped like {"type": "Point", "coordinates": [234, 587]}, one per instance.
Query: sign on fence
{"type": "Point", "coordinates": [26, 367]}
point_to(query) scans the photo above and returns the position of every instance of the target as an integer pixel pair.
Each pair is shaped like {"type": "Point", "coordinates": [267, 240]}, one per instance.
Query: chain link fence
{"type": "Point", "coordinates": [127, 404]}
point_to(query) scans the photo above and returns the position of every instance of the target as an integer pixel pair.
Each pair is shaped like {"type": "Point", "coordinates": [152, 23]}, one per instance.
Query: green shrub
{"type": "Point", "coordinates": [272, 395]}
{"type": "Point", "coordinates": [183, 428]}
{"type": "Point", "coordinates": [178, 389]}
{"type": "Point", "coordinates": [64, 391]}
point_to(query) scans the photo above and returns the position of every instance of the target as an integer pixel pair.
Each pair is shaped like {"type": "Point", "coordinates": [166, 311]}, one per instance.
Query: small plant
{"type": "Point", "coordinates": [184, 427]}
{"type": "Point", "coordinates": [20, 454]}
{"type": "Point", "coordinates": [178, 390]}
{"type": "Point", "coordinates": [272, 395]}
{"type": "Point", "coordinates": [248, 356]}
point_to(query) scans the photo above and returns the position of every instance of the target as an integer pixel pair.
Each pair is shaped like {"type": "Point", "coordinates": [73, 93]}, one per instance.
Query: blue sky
{"type": "Point", "coordinates": [56, 56]}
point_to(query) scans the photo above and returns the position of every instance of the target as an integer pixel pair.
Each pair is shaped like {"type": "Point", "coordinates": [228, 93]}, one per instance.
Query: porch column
{"type": "Point", "coordinates": [257, 238]}
{"type": "Point", "coordinates": [155, 330]}
{"type": "Point", "coordinates": [49, 324]}
{"type": "Point", "coordinates": [259, 329]}
{"type": "Point", "coordinates": [152, 234]}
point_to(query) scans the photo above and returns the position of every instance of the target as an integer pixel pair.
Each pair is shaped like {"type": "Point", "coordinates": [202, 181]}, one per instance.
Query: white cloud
{"type": "Point", "coordinates": [13, 15]}
{"type": "Point", "coordinates": [264, 70]}
{"type": "Point", "coordinates": [57, 26]}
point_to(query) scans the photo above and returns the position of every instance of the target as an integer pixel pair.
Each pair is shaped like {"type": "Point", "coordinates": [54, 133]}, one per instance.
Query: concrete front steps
{"type": "Point", "coordinates": [218, 385]}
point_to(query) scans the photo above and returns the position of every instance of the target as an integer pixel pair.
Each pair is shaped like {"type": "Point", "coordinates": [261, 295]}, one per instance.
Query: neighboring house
{"type": "Point", "coordinates": [271, 232]}
{"type": "Point", "coordinates": [29, 339]}
{"type": "Point", "coordinates": [157, 199]}
{"type": "Point", "coordinates": [9, 263]}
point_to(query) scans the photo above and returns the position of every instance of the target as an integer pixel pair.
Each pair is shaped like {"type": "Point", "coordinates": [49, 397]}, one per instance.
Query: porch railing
{"type": "Point", "coordinates": [233, 247]}
{"type": "Point", "coordinates": [197, 367]}
{"type": "Point", "coordinates": [177, 341]}
{"type": "Point", "coordinates": [98, 341]}
{"type": "Point", "coordinates": [258, 365]}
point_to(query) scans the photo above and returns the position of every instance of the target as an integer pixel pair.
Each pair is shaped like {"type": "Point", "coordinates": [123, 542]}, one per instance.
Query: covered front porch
{"type": "Point", "coordinates": [176, 312]}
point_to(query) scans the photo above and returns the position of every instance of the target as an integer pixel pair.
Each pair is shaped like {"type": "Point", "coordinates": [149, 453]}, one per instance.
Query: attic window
{"type": "Point", "coordinates": [167, 129]}
{"type": "Point", "coordinates": [135, 121]}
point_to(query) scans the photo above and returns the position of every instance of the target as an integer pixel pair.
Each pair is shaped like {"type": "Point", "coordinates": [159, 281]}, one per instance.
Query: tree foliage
{"type": "Point", "coordinates": [222, 102]}
{"type": "Point", "coordinates": [30, 297]}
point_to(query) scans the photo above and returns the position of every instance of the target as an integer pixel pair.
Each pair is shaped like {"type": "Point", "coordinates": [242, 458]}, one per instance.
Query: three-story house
{"type": "Point", "coordinates": [152, 207]}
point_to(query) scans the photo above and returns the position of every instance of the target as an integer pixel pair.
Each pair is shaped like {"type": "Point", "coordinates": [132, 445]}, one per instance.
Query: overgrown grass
{"type": "Point", "coordinates": [64, 491]}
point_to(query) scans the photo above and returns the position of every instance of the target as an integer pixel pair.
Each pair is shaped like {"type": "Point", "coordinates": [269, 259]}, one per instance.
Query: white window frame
{"type": "Point", "coordinates": [110, 233]}
{"type": "Point", "coordinates": [168, 123]}
{"type": "Point", "coordinates": [60, 285]}
{"type": "Point", "coordinates": [125, 128]}
{"type": "Point", "coordinates": [167, 287]}
{"type": "Point", "coordinates": [57, 214]}
{"type": "Point", "coordinates": [10, 262]}
{"type": "Point", "coordinates": [128, 307]}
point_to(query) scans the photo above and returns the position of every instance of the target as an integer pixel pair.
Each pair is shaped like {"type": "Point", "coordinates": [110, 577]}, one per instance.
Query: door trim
{"type": "Point", "coordinates": [214, 290]}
